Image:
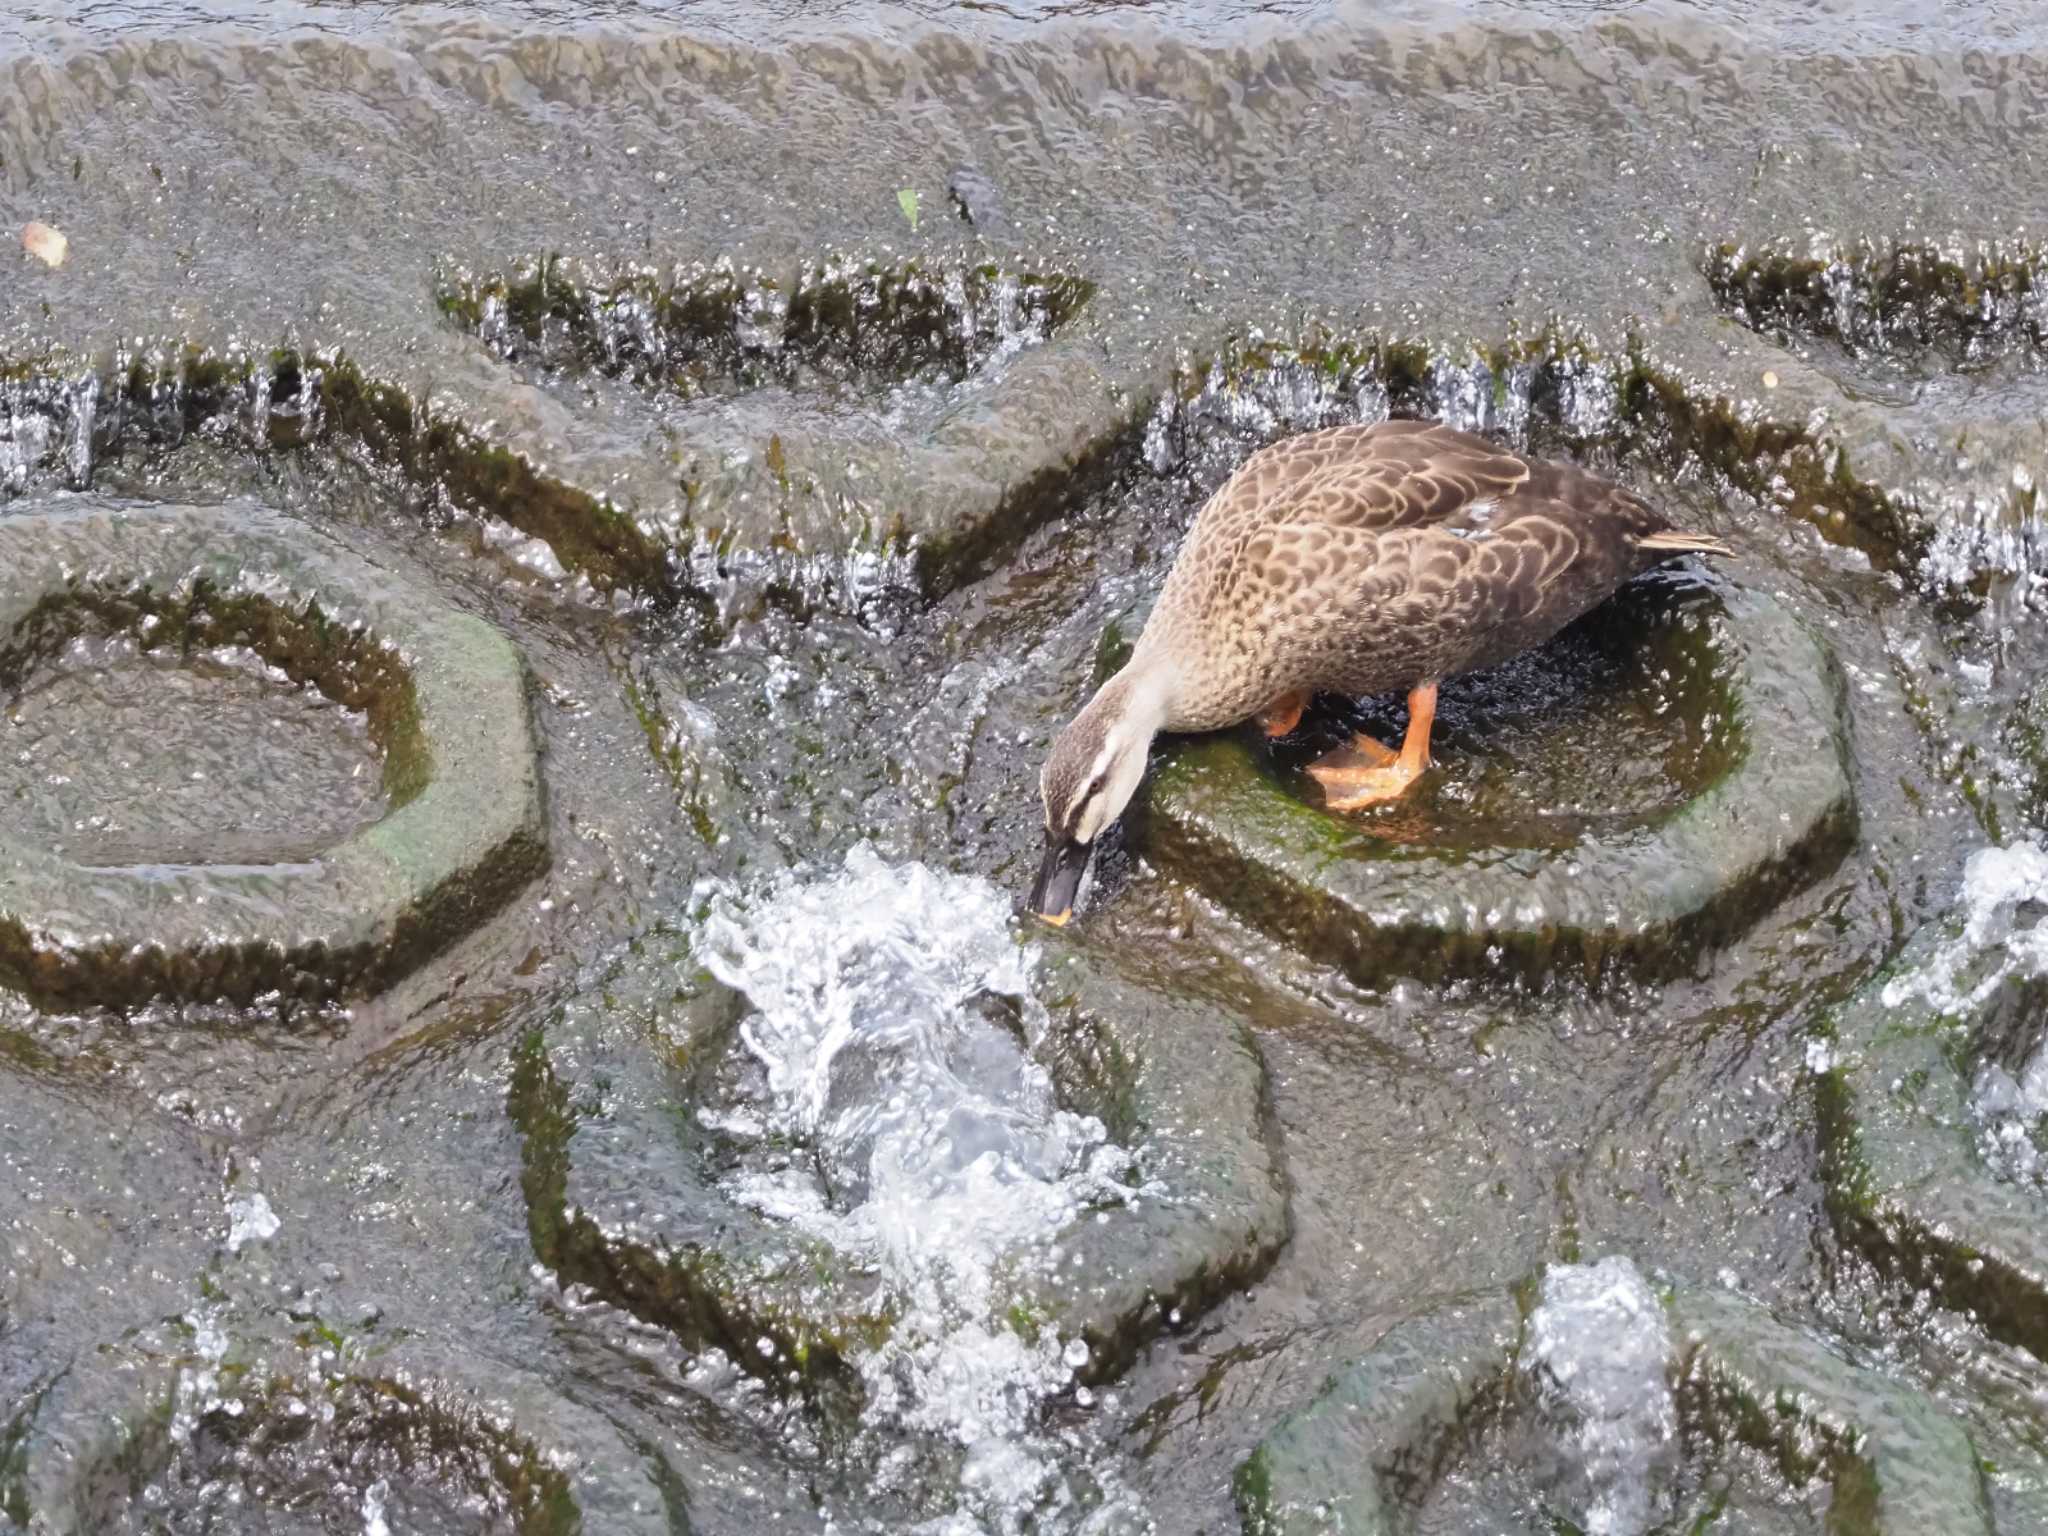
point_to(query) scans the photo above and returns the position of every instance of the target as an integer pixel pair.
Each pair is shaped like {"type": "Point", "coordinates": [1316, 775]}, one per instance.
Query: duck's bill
{"type": "Point", "coordinates": [1059, 879]}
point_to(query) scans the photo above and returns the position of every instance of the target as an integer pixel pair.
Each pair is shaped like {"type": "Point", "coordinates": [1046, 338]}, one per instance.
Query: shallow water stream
{"type": "Point", "coordinates": [647, 1113]}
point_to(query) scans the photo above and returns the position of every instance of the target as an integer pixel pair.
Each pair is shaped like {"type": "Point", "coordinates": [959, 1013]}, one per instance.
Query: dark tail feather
{"type": "Point", "coordinates": [1672, 542]}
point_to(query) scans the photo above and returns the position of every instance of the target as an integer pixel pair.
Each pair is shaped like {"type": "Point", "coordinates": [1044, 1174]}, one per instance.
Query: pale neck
{"type": "Point", "coordinates": [1141, 693]}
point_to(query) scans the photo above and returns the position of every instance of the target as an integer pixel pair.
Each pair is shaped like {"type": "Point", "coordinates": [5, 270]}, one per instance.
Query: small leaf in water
{"type": "Point", "coordinates": [46, 244]}
{"type": "Point", "coordinates": [907, 201]}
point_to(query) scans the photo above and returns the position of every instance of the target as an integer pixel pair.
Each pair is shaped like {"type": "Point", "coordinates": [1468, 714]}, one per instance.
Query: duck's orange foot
{"type": "Point", "coordinates": [1369, 787]}
{"type": "Point", "coordinates": [1283, 714]}
{"type": "Point", "coordinates": [1363, 774]}
{"type": "Point", "coordinates": [1367, 772]}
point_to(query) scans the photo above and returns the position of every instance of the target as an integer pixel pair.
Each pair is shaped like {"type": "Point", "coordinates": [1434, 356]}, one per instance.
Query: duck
{"type": "Point", "coordinates": [1353, 560]}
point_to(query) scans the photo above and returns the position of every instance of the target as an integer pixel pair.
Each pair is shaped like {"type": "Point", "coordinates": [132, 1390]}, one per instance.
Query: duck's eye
{"type": "Point", "coordinates": [1078, 811]}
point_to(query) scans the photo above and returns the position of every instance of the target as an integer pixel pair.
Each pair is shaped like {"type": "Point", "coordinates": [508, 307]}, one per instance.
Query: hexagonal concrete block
{"type": "Point", "coordinates": [1387, 1422]}
{"type": "Point", "coordinates": [1908, 1179]}
{"type": "Point", "coordinates": [445, 697]}
{"type": "Point", "coordinates": [423, 1439]}
{"type": "Point", "coordinates": [1387, 1429]}
{"type": "Point", "coordinates": [1648, 894]}
{"type": "Point", "coordinates": [624, 1195]}
{"type": "Point", "coordinates": [755, 401]}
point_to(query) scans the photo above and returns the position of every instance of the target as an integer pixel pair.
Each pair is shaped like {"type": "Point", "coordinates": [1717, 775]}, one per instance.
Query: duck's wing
{"type": "Point", "coordinates": [1391, 474]}
{"type": "Point", "coordinates": [1438, 582]}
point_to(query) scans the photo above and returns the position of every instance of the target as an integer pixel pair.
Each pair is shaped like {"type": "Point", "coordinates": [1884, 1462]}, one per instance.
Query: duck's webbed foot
{"type": "Point", "coordinates": [1361, 774]}
{"type": "Point", "coordinates": [1283, 714]}
{"type": "Point", "coordinates": [1367, 772]}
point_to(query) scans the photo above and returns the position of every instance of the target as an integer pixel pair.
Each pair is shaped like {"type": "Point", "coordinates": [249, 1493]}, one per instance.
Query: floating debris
{"type": "Point", "coordinates": [45, 242]}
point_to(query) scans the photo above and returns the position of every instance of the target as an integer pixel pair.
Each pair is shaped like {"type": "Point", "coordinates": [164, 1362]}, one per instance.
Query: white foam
{"type": "Point", "coordinates": [374, 1523]}
{"type": "Point", "coordinates": [2010, 1112]}
{"type": "Point", "coordinates": [2001, 940]}
{"type": "Point", "coordinates": [250, 1219]}
{"type": "Point", "coordinates": [892, 1010]}
{"type": "Point", "coordinates": [1994, 944]}
{"type": "Point", "coordinates": [1600, 1349]}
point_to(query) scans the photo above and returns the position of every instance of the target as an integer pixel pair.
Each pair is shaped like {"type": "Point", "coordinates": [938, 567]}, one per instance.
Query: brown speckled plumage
{"type": "Point", "coordinates": [1367, 558]}
{"type": "Point", "coordinates": [1355, 561]}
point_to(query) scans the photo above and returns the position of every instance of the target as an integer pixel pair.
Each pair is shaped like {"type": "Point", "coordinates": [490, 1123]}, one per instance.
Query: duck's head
{"type": "Point", "coordinates": [1093, 771]}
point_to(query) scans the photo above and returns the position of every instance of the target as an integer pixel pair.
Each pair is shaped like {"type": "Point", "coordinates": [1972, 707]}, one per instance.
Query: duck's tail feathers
{"type": "Point", "coordinates": [1672, 542]}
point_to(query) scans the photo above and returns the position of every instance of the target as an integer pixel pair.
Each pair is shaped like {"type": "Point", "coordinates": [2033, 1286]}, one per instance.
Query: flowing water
{"type": "Point", "coordinates": [813, 399]}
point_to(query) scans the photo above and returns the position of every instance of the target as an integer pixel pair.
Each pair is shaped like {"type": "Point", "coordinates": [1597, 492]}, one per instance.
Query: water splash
{"type": "Point", "coordinates": [1600, 1350]}
{"type": "Point", "coordinates": [250, 1220]}
{"type": "Point", "coordinates": [889, 1038]}
{"type": "Point", "coordinates": [1999, 885]}
{"type": "Point", "coordinates": [2003, 940]}
{"type": "Point", "coordinates": [46, 431]}
{"type": "Point", "coordinates": [374, 1497]}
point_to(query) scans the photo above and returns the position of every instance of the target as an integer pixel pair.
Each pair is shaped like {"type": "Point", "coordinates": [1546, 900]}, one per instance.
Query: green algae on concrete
{"type": "Point", "coordinates": [623, 1191]}
{"type": "Point", "coordinates": [1887, 295]}
{"type": "Point", "coordinates": [724, 329]}
{"type": "Point", "coordinates": [1646, 897]}
{"type": "Point", "coordinates": [1901, 1465]}
{"type": "Point", "coordinates": [445, 697]}
{"type": "Point", "coordinates": [1388, 1428]}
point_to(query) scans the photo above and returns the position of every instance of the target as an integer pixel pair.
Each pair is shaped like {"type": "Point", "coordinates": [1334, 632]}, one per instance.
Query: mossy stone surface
{"type": "Point", "coordinates": [461, 1434]}
{"type": "Point", "coordinates": [1908, 1181]}
{"type": "Point", "coordinates": [1387, 1428]}
{"type": "Point", "coordinates": [445, 695]}
{"type": "Point", "coordinates": [623, 1181]}
{"type": "Point", "coordinates": [1647, 897]}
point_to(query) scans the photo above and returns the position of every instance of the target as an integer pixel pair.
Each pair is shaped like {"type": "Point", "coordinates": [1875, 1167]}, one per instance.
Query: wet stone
{"type": "Point", "coordinates": [1720, 715]}
{"type": "Point", "coordinates": [1925, 363]}
{"type": "Point", "coordinates": [923, 414]}
{"type": "Point", "coordinates": [1934, 1096]}
{"type": "Point", "coordinates": [1612, 1406]}
{"type": "Point", "coordinates": [838, 1158]}
{"type": "Point", "coordinates": [2026, 736]}
{"type": "Point", "coordinates": [116, 756]}
{"type": "Point", "coordinates": [214, 1442]}
{"type": "Point", "coordinates": [289, 667]}
{"type": "Point", "coordinates": [1888, 296]}
{"type": "Point", "coordinates": [1392, 1418]}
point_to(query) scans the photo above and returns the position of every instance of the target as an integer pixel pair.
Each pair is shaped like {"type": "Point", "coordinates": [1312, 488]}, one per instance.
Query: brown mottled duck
{"type": "Point", "coordinates": [1355, 561]}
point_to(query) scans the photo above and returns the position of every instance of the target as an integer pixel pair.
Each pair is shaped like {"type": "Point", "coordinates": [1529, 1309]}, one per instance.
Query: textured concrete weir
{"type": "Point", "coordinates": [857, 411]}
{"type": "Point", "coordinates": [411, 1442]}
{"type": "Point", "coordinates": [1647, 894]}
{"type": "Point", "coordinates": [1914, 1139]}
{"type": "Point", "coordinates": [623, 1175]}
{"type": "Point", "coordinates": [845, 582]}
{"type": "Point", "coordinates": [445, 698]}
{"type": "Point", "coordinates": [1385, 1431]}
